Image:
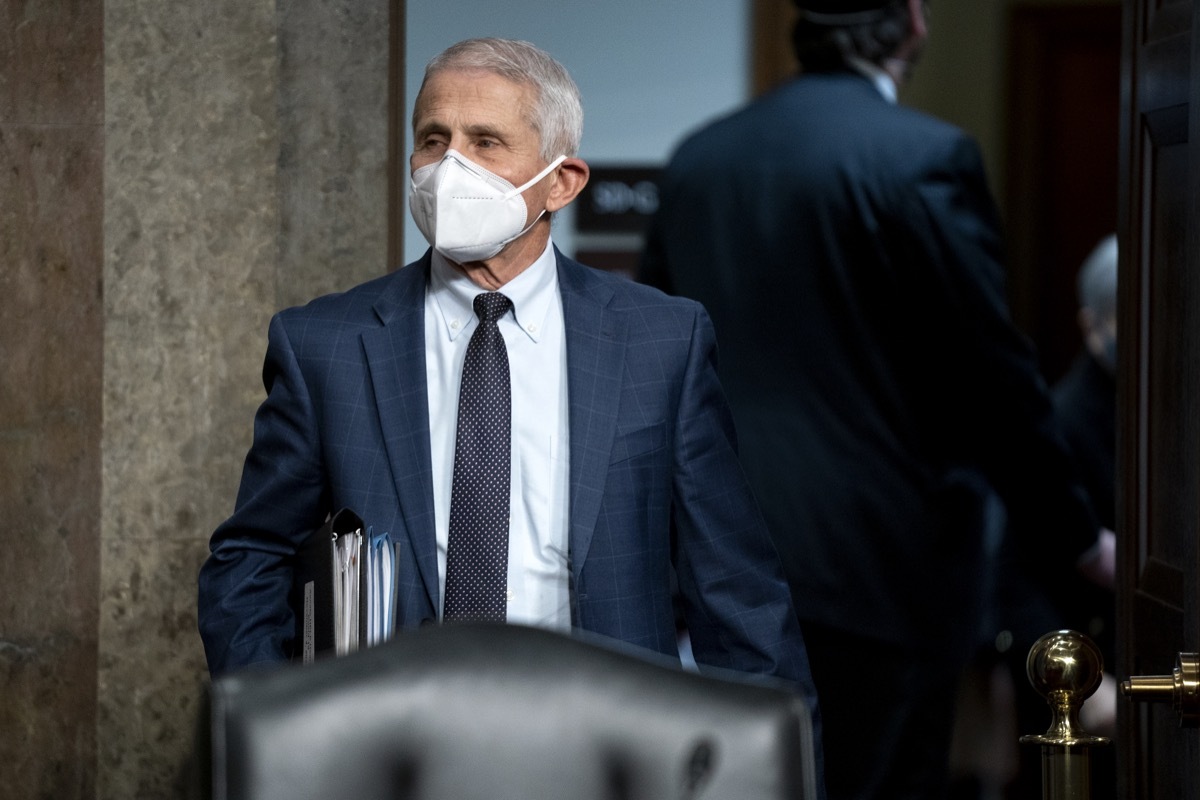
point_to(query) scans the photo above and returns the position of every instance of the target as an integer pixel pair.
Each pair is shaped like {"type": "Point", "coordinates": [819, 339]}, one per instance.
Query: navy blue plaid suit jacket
{"type": "Point", "coordinates": [654, 477]}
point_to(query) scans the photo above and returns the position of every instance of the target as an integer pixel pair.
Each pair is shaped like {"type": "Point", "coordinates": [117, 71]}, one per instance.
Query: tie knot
{"type": "Point", "coordinates": [491, 306]}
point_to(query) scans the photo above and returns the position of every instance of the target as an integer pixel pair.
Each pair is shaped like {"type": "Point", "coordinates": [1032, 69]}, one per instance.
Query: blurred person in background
{"type": "Point", "coordinates": [849, 252]}
{"type": "Point", "coordinates": [1085, 400]}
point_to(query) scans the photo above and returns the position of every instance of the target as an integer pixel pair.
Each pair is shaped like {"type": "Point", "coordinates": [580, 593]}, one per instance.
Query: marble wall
{"type": "Point", "coordinates": [51, 371]}
{"type": "Point", "coordinates": [170, 175]}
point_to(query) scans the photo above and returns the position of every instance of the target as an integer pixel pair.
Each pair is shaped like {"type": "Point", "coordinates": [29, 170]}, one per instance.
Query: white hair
{"type": "Point", "coordinates": [557, 111]}
{"type": "Point", "coordinates": [1097, 283]}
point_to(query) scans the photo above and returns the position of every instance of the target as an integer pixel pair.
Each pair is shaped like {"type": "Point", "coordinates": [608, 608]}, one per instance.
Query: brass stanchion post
{"type": "Point", "coordinates": [1065, 667]}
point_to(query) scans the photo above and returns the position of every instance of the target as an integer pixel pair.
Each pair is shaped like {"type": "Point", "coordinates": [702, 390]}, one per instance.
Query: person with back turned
{"type": "Point", "coordinates": [526, 428]}
{"type": "Point", "coordinates": [1085, 399]}
{"type": "Point", "coordinates": [849, 252]}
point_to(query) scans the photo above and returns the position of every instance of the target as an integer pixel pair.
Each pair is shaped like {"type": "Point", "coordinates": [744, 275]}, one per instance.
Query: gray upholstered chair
{"type": "Point", "coordinates": [504, 713]}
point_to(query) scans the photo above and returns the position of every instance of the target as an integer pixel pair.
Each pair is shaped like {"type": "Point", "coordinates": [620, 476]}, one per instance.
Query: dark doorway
{"type": "Point", "coordinates": [1063, 116]}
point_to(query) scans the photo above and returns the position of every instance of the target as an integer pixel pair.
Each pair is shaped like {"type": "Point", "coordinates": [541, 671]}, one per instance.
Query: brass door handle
{"type": "Point", "coordinates": [1181, 689]}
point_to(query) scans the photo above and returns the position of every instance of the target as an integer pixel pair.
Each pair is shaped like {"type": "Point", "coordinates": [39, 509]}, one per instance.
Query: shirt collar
{"type": "Point", "coordinates": [876, 75]}
{"type": "Point", "coordinates": [532, 293]}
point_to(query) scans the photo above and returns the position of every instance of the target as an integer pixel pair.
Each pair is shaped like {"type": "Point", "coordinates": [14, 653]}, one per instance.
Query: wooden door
{"type": "Point", "coordinates": [1064, 64]}
{"type": "Point", "coordinates": [1159, 387]}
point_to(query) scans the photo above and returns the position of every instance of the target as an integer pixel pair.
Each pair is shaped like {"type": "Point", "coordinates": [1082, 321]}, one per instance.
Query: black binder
{"type": "Point", "coordinates": [316, 580]}
{"type": "Point", "coordinates": [343, 572]}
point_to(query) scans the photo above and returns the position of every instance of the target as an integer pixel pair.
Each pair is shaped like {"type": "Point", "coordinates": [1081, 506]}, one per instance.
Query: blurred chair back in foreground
{"type": "Point", "coordinates": [504, 712]}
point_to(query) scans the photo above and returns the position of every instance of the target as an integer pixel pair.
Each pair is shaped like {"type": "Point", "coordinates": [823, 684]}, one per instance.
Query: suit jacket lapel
{"type": "Point", "coordinates": [595, 348]}
{"type": "Point", "coordinates": [395, 356]}
{"type": "Point", "coordinates": [396, 359]}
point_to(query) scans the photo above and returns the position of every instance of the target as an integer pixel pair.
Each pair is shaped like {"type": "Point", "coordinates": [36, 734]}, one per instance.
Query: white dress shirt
{"type": "Point", "coordinates": [537, 355]}
{"type": "Point", "coordinates": [877, 75]}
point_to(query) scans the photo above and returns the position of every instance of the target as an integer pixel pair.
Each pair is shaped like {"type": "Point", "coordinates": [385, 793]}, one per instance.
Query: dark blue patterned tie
{"type": "Point", "coordinates": [477, 551]}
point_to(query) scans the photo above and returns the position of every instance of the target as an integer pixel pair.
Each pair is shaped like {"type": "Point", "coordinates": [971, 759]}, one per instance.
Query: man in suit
{"type": "Point", "coordinates": [1085, 399]}
{"type": "Point", "coordinates": [849, 253]}
{"type": "Point", "coordinates": [622, 464]}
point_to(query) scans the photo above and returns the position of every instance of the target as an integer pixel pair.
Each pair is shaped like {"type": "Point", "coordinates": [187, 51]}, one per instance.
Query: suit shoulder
{"type": "Point", "coordinates": [816, 116]}
{"type": "Point", "coordinates": [650, 315]}
{"type": "Point", "coordinates": [628, 294]}
{"type": "Point", "coordinates": [917, 129]}
{"type": "Point", "coordinates": [351, 307]}
{"type": "Point", "coordinates": [632, 293]}
{"type": "Point", "coordinates": [334, 323]}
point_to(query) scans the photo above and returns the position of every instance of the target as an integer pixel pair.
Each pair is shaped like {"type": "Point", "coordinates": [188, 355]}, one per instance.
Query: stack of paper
{"type": "Point", "coordinates": [347, 550]}
{"type": "Point", "coordinates": [382, 555]}
{"type": "Point", "coordinates": [345, 588]}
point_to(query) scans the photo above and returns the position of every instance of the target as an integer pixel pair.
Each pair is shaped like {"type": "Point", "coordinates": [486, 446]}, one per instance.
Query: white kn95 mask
{"type": "Point", "coordinates": [466, 212]}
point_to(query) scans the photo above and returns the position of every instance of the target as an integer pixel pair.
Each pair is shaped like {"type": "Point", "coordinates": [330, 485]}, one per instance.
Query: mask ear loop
{"type": "Point", "coordinates": [532, 181]}
{"type": "Point", "coordinates": [527, 229]}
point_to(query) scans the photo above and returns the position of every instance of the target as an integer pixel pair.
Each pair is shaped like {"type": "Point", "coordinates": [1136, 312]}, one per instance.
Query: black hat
{"type": "Point", "coordinates": [842, 12]}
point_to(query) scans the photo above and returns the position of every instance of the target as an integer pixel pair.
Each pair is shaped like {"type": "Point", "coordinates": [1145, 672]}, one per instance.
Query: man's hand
{"type": "Point", "coordinates": [1098, 716]}
{"type": "Point", "coordinates": [1099, 563]}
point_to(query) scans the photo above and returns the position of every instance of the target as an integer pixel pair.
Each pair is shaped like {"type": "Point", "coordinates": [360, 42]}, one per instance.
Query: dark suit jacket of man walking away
{"type": "Point", "coordinates": [849, 253]}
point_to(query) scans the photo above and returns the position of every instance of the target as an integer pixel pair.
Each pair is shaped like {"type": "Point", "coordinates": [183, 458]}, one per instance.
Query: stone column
{"type": "Point", "coordinates": [172, 174]}
{"type": "Point", "coordinates": [51, 374]}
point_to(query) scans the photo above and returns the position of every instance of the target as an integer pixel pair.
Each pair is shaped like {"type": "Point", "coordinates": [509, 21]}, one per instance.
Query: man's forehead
{"type": "Point", "coordinates": [472, 88]}
{"type": "Point", "coordinates": [481, 103]}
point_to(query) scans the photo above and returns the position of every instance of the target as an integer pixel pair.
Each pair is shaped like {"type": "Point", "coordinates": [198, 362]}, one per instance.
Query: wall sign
{"type": "Point", "coordinates": [618, 200]}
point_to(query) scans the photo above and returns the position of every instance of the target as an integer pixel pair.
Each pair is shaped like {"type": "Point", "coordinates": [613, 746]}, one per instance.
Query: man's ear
{"type": "Point", "coordinates": [899, 65]}
{"type": "Point", "coordinates": [916, 14]}
{"type": "Point", "coordinates": [569, 180]}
